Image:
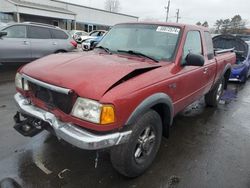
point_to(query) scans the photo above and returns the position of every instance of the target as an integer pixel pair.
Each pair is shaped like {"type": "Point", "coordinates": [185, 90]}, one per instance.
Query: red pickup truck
{"type": "Point", "coordinates": [125, 93]}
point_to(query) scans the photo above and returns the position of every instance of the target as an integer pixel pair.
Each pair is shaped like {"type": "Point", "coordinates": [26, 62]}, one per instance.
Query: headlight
{"type": "Point", "coordinates": [21, 83]}
{"type": "Point", "coordinates": [93, 111]}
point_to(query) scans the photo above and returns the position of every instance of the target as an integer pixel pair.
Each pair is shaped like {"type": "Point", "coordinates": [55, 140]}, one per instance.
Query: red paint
{"type": "Point", "coordinates": [90, 75]}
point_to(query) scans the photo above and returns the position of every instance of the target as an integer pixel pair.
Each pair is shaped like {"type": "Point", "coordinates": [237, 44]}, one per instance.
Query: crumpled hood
{"type": "Point", "coordinates": [90, 75]}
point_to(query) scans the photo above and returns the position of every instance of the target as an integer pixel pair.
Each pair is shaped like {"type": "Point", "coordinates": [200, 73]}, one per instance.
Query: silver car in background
{"type": "Point", "coordinates": [24, 42]}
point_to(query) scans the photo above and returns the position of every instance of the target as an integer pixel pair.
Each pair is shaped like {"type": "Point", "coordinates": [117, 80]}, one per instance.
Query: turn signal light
{"type": "Point", "coordinates": [107, 115]}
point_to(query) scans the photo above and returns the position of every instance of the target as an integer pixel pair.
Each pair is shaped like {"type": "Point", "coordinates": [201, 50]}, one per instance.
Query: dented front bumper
{"type": "Point", "coordinates": [67, 131]}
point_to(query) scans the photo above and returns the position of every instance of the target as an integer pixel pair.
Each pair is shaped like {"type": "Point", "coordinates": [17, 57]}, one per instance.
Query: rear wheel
{"type": "Point", "coordinates": [133, 158]}
{"type": "Point", "coordinates": [213, 97]}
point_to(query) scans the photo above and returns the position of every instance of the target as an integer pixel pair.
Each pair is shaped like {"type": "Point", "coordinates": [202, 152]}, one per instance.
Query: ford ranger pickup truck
{"type": "Point", "coordinates": [125, 93]}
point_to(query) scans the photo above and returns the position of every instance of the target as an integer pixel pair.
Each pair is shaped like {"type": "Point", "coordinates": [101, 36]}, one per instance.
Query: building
{"type": "Point", "coordinates": [60, 13]}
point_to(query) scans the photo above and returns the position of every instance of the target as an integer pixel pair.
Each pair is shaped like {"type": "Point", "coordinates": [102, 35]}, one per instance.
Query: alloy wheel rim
{"type": "Point", "coordinates": [219, 92]}
{"type": "Point", "coordinates": [144, 146]}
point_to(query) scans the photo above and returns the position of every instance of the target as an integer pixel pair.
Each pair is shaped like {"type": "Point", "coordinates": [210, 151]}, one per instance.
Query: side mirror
{"type": "Point", "coordinates": [194, 60]}
{"type": "Point", "coordinates": [3, 33]}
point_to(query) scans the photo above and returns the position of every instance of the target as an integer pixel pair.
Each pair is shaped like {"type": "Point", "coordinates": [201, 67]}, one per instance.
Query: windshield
{"type": "Point", "coordinates": [158, 42]}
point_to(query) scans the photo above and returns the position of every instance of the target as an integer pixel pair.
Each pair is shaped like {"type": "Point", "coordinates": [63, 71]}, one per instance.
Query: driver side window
{"type": "Point", "coordinates": [192, 44]}
{"type": "Point", "coordinates": [17, 31]}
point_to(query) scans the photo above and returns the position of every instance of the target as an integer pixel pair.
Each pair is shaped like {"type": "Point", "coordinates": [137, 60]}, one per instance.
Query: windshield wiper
{"type": "Point", "coordinates": [104, 48]}
{"type": "Point", "coordinates": [139, 54]}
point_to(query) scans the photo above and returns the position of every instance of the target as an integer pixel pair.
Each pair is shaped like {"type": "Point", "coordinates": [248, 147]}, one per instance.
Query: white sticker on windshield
{"type": "Point", "coordinates": [172, 30]}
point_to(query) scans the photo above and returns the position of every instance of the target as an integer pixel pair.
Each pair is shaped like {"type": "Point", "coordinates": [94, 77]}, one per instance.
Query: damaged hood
{"type": "Point", "coordinates": [90, 75]}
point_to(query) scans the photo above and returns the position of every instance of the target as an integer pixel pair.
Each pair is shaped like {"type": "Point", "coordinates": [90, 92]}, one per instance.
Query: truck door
{"type": "Point", "coordinates": [192, 80]}
{"type": "Point", "coordinates": [15, 47]}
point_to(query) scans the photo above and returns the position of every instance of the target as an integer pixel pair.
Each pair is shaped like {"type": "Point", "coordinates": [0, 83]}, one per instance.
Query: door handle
{"type": "Point", "coordinates": [54, 43]}
{"type": "Point", "coordinates": [25, 42]}
{"type": "Point", "coordinates": [205, 70]}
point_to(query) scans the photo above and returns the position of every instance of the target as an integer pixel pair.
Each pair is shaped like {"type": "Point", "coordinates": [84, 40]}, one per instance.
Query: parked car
{"type": "Point", "coordinates": [93, 34]}
{"type": "Point", "coordinates": [125, 94]}
{"type": "Point", "coordinates": [241, 70]}
{"type": "Point", "coordinates": [90, 44]}
{"type": "Point", "coordinates": [24, 42]}
{"type": "Point", "coordinates": [77, 33]}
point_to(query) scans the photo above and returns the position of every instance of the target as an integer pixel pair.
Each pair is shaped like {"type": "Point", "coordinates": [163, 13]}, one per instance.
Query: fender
{"type": "Point", "coordinates": [150, 102]}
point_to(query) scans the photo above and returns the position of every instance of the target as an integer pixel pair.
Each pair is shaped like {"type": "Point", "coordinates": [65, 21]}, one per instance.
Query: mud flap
{"type": "Point", "coordinates": [29, 126]}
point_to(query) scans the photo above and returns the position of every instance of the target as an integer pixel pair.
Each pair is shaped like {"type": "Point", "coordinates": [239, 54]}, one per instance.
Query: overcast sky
{"type": "Point", "coordinates": [191, 11]}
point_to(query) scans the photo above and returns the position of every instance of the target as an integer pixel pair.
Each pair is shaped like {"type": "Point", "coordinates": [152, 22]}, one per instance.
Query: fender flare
{"type": "Point", "coordinates": [227, 67]}
{"type": "Point", "coordinates": [149, 102]}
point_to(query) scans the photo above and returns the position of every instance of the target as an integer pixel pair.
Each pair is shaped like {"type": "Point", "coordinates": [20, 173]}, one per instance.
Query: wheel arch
{"type": "Point", "coordinates": [60, 51]}
{"type": "Point", "coordinates": [162, 104]}
{"type": "Point", "coordinates": [226, 74]}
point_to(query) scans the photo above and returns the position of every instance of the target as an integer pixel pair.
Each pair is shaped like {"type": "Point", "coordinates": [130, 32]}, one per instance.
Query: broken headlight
{"type": "Point", "coordinates": [21, 83]}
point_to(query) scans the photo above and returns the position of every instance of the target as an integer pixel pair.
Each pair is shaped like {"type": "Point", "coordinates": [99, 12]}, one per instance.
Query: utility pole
{"type": "Point", "coordinates": [167, 8]}
{"type": "Point", "coordinates": [178, 15]}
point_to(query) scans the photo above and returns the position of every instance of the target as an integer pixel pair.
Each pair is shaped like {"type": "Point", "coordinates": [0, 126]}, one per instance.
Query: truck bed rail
{"type": "Point", "coordinates": [221, 51]}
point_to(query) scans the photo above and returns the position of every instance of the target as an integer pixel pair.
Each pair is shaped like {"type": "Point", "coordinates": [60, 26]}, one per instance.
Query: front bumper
{"type": "Point", "coordinates": [69, 132]}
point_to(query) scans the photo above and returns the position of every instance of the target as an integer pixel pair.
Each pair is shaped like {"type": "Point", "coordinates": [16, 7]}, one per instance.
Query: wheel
{"type": "Point", "coordinates": [133, 158]}
{"type": "Point", "coordinates": [212, 98]}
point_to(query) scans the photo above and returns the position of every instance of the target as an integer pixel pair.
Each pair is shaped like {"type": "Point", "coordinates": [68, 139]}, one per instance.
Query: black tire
{"type": "Point", "coordinates": [213, 97]}
{"type": "Point", "coordinates": [123, 157]}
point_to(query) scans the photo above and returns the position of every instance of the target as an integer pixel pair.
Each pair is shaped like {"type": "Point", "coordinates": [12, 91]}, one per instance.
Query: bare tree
{"type": "Point", "coordinates": [198, 23]}
{"type": "Point", "coordinates": [112, 5]}
{"type": "Point", "coordinates": [205, 24]}
{"type": "Point", "coordinates": [218, 25]}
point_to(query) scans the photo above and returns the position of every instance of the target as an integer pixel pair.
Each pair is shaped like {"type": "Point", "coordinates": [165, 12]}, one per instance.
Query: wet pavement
{"type": "Point", "coordinates": [207, 148]}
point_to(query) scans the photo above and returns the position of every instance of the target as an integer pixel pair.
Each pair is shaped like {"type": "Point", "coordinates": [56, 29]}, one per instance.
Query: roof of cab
{"type": "Point", "coordinates": [188, 26]}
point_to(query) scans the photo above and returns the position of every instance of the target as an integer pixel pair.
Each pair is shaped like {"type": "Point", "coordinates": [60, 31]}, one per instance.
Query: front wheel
{"type": "Point", "coordinates": [213, 97]}
{"type": "Point", "coordinates": [133, 158]}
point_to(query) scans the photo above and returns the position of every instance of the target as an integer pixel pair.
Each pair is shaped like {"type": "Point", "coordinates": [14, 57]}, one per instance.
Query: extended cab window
{"type": "Point", "coordinates": [38, 33]}
{"type": "Point", "coordinates": [17, 31]}
{"type": "Point", "coordinates": [209, 44]}
{"type": "Point", "coordinates": [192, 44]}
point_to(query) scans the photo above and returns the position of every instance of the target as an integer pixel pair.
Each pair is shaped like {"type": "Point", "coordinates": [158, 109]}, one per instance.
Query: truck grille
{"type": "Point", "coordinates": [53, 99]}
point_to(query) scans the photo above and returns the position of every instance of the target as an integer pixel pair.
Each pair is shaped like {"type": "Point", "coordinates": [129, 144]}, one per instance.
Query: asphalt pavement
{"type": "Point", "coordinates": [208, 147]}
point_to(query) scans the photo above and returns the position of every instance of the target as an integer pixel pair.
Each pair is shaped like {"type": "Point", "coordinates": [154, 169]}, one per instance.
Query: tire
{"type": "Point", "coordinates": [133, 158]}
{"type": "Point", "coordinates": [213, 97]}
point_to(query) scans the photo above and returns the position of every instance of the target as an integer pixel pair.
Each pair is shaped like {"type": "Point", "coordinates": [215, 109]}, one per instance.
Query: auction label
{"type": "Point", "coordinates": [172, 30]}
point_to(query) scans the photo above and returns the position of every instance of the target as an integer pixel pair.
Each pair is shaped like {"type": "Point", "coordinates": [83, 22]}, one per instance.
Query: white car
{"type": "Point", "coordinates": [77, 33]}
{"type": "Point", "coordinates": [92, 35]}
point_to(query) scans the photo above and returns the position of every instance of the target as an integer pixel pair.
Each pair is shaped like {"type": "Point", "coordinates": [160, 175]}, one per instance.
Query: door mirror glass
{"type": "Point", "coordinates": [194, 60]}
